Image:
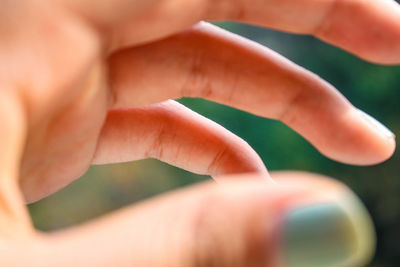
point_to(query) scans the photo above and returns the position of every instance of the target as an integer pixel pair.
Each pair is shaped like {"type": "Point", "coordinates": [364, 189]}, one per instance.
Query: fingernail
{"type": "Point", "coordinates": [328, 235]}
{"type": "Point", "coordinates": [379, 127]}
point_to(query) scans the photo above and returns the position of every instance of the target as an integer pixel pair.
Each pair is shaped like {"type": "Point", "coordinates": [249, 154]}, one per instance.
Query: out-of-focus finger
{"type": "Point", "coordinates": [367, 28]}
{"type": "Point", "coordinates": [242, 223]}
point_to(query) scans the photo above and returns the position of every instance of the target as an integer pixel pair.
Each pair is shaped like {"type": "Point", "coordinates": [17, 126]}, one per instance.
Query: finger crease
{"type": "Point", "coordinates": [324, 24]}
{"type": "Point", "coordinates": [286, 115]}
{"type": "Point", "coordinates": [214, 164]}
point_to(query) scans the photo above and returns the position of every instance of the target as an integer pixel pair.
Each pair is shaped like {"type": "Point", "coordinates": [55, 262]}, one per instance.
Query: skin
{"type": "Point", "coordinates": [91, 82]}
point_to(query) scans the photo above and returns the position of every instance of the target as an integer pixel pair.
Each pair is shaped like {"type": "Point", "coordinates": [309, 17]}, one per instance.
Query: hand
{"type": "Point", "coordinates": [80, 80]}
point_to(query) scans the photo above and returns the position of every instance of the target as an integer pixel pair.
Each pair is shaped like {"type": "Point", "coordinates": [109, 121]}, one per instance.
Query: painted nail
{"type": "Point", "coordinates": [328, 235]}
{"type": "Point", "coordinates": [383, 130]}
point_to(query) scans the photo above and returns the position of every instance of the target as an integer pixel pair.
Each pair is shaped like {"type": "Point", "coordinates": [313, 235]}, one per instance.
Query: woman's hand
{"type": "Point", "coordinates": [90, 82]}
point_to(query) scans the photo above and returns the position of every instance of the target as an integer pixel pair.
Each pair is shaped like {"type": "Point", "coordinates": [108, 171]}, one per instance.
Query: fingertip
{"type": "Point", "coordinates": [350, 27]}
{"type": "Point", "coordinates": [380, 142]}
{"type": "Point", "coordinates": [367, 156]}
{"type": "Point", "coordinates": [301, 220]}
{"type": "Point", "coordinates": [329, 226]}
{"type": "Point", "coordinates": [359, 139]}
{"type": "Point", "coordinates": [337, 233]}
{"type": "Point", "coordinates": [381, 155]}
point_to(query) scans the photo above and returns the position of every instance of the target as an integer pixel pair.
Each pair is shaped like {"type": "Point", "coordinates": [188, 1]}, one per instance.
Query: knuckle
{"type": "Point", "coordinates": [197, 83]}
{"type": "Point", "coordinates": [216, 164]}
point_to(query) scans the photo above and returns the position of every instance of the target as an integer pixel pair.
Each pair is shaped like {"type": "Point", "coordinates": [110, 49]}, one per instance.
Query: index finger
{"type": "Point", "coordinates": [369, 29]}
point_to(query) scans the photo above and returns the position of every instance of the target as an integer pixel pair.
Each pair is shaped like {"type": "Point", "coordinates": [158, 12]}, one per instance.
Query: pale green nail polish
{"type": "Point", "coordinates": [327, 235]}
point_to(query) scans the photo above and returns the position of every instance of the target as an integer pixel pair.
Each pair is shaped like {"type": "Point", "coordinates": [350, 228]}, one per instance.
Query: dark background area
{"type": "Point", "coordinates": [374, 89]}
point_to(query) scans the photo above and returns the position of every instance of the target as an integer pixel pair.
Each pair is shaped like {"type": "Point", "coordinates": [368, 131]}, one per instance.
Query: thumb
{"type": "Point", "coordinates": [303, 220]}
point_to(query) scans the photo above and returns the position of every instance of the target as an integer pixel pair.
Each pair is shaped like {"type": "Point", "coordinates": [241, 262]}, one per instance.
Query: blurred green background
{"type": "Point", "coordinates": [374, 89]}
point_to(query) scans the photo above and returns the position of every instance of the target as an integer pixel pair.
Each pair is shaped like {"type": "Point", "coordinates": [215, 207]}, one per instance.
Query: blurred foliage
{"type": "Point", "coordinates": [374, 89]}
